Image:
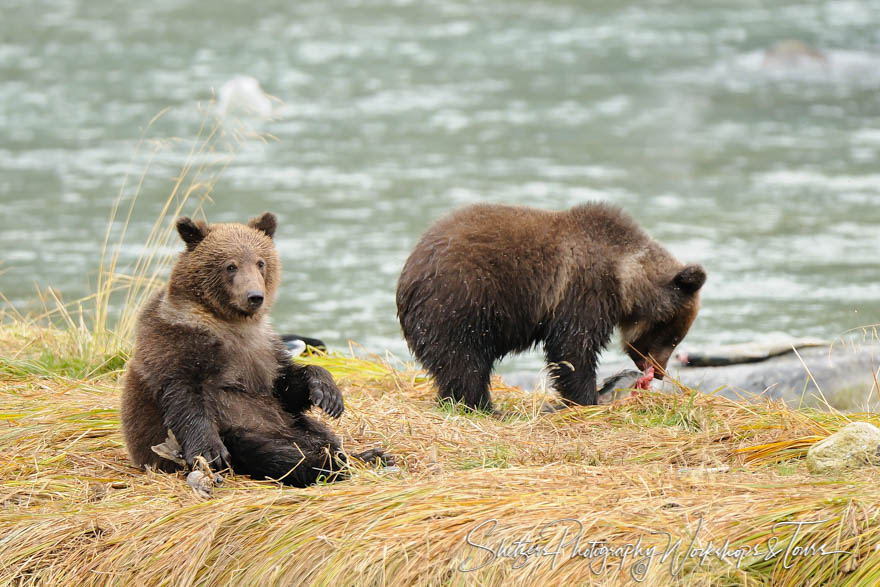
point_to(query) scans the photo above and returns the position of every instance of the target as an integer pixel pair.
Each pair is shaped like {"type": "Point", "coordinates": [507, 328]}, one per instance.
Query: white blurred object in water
{"type": "Point", "coordinates": [793, 54]}
{"type": "Point", "coordinates": [243, 95]}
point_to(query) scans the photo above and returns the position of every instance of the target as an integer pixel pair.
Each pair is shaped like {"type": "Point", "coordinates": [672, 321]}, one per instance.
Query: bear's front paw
{"type": "Point", "coordinates": [214, 452]}
{"type": "Point", "coordinates": [324, 394]}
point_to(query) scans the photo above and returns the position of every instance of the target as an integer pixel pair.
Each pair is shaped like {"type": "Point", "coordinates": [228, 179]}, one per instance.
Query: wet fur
{"type": "Point", "coordinates": [212, 369]}
{"type": "Point", "coordinates": [489, 280]}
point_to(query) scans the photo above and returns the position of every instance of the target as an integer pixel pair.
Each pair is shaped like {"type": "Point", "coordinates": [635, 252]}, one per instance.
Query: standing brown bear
{"type": "Point", "coordinates": [489, 280]}
{"type": "Point", "coordinates": [208, 366]}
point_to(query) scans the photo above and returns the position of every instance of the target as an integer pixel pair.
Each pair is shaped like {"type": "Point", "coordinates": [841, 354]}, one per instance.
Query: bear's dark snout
{"type": "Point", "coordinates": [659, 361]}
{"type": "Point", "coordinates": [255, 299]}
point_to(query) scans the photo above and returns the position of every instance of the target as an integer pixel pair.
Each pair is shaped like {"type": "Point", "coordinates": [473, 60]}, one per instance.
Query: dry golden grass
{"type": "Point", "coordinates": [75, 512]}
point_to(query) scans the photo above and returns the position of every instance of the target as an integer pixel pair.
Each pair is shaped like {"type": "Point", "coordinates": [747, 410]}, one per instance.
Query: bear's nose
{"type": "Point", "coordinates": [255, 299]}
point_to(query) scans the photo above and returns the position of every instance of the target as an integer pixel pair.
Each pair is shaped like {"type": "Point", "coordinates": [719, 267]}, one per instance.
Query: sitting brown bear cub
{"type": "Point", "coordinates": [208, 366]}
{"type": "Point", "coordinates": [489, 280]}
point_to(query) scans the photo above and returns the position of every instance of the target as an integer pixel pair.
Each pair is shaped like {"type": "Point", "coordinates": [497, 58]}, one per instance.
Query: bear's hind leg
{"type": "Point", "coordinates": [298, 458]}
{"type": "Point", "coordinates": [465, 379]}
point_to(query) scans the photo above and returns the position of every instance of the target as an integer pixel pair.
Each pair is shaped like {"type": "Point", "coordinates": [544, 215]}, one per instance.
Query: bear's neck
{"type": "Point", "coordinates": [183, 310]}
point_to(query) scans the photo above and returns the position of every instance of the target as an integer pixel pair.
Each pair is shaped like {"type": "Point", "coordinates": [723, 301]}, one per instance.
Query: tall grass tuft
{"type": "Point", "coordinates": [100, 326]}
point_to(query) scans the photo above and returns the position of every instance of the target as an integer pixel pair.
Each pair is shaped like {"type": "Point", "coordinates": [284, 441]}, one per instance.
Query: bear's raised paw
{"type": "Point", "coordinates": [324, 393]}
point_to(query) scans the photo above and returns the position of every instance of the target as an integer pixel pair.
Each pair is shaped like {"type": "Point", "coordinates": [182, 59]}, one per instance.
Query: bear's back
{"type": "Point", "coordinates": [532, 255]}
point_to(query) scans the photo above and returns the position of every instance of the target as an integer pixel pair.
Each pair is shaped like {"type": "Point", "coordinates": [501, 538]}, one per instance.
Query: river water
{"type": "Point", "coordinates": [391, 113]}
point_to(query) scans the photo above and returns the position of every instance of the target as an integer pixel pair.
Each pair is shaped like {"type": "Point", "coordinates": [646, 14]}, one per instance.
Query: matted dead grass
{"type": "Point", "coordinates": [699, 468]}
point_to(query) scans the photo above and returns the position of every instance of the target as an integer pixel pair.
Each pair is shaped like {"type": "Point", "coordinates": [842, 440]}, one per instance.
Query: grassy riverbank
{"type": "Point", "coordinates": [75, 512]}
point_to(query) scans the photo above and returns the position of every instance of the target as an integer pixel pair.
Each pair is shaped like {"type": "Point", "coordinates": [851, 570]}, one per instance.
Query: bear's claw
{"type": "Point", "coordinates": [326, 396]}
{"type": "Point", "coordinates": [216, 455]}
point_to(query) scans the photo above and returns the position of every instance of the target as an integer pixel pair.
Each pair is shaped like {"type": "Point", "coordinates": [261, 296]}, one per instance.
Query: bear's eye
{"type": "Point", "coordinates": [231, 267]}
{"type": "Point", "coordinates": [260, 264]}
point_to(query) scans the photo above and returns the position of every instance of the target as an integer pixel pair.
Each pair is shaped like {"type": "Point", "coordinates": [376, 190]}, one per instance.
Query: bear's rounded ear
{"type": "Point", "coordinates": [191, 232]}
{"type": "Point", "coordinates": [690, 279]}
{"type": "Point", "coordinates": [265, 223]}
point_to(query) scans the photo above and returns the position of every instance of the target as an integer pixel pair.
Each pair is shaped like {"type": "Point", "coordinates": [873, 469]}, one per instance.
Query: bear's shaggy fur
{"type": "Point", "coordinates": [490, 279]}
{"type": "Point", "coordinates": [208, 366]}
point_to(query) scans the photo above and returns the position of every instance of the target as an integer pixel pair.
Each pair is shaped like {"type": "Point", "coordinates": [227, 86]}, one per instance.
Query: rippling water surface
{"type": "Point", "coordinates": [393, 113]}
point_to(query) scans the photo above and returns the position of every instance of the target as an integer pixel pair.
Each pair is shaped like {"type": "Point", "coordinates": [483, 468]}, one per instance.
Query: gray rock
{"type": "Point", "coordinates": [855, 445]}
{"type": "Point", "coordinates": [843, 372]}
